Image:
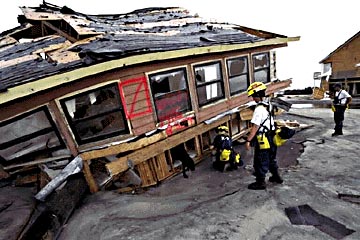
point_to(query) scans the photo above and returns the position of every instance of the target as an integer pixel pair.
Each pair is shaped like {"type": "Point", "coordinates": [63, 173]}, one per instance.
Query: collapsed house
{"type": "Point", "coordinates": [116, 93]}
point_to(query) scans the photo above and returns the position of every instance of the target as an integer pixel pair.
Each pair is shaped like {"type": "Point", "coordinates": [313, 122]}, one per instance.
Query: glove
{"type": "Point", "coordinates": [333, 108]}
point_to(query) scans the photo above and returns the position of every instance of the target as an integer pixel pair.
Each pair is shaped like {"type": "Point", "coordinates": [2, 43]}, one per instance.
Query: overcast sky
{"type": "Point", "coordinates": [323, 25]}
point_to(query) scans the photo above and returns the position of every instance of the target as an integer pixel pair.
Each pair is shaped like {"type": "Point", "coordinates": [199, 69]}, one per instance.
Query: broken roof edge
{"type": "Point", "coordinates": [340, 47]}
{"type": "Point", "coordinates": [39, 85]}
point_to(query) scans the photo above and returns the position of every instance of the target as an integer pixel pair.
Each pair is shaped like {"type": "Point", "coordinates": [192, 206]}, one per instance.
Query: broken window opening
{"type": "Point", "coordinates": [171, 94]}
{"type": "Point", "coordinates": [261, 67]}
{"type": "Point", "coordinates": [28, 135]}
{"type": "Point", "coordinates": [209, 83]}
{"type": "Point", "coordinates": [96, 115]}
{"type": "Point", "coordinates": [235, 124]}
{"type": "Point", "coordinates": [238, 75]}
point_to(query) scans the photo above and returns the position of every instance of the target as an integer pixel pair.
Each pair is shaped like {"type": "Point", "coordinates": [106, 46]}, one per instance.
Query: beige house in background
{"type": "Point", "coordinates": [343, 65]}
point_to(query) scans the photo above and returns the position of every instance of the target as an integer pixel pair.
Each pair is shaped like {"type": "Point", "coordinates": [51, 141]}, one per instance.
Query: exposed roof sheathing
{"type": "Point", "coordinates": [104, 42]}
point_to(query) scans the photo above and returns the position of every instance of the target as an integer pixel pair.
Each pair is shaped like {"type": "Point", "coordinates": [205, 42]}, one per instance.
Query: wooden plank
{"type": "Point", "coordinates": [157, 148]}
{"type": "Point", "coordinates": [236, 101]}
{"type": "Point", "coordinates": [212, 110]}
{"type": "Point", "coordinates": [36, 162]}
{"type": "Point", "coordinates": [123, 147]}
{"type": "Point", "coordinates": [276, 86]}
{"type": "Point", "coordinates": [61, 33]}
{"type": "Point", "coordinates": [198, 145]}
{"type": "Point", "coordinates": [52, 47]}
{"type": "Point", "coordinates": [141, 129]}
{"type": "Point", "coordinates": [246, 114]}
{"type": "Point", "coordinates": [90, 178]}
{"type": "Point", "coordinates": [63, 128]}
{"type": "Point", "coordinates": [161, 167]}
{"type": "Point", "coordinates": [28, 179]}
{"type": "Point", "coordinates": [30, 14]}
{"type": "Point", "coordinates": [131, 89]}
{"type": "Point", "coordinates": [4, 64]}
{"type": "Point", "coordinates": [146, 174]}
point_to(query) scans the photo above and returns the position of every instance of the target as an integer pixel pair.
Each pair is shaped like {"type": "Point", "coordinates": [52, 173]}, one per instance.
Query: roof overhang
{"type": "Point", "coordinates": [71, 76]}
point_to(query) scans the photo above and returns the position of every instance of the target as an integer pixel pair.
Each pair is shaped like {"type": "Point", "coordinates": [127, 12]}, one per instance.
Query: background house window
{"type": "Point", "coordinates": [96, 114]}
{"type": "Point", "coordinates": [170, 93]}
{"type": "Point", "coordinates": [238, 74]}
{"type": "Point", "coordinates": [261, 67]}
{"type": "Point", "coordinates": [28, 134]}
{"type": "Point", "coordinates": [209, 83]}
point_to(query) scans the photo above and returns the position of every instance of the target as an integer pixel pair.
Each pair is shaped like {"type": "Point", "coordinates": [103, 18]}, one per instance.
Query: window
{"type": "Point", "coordinates": [170, 93]}
{"type": "Point", "coordinates": [261, 67]}
{"type": "Point", "coordinates": [209, 83]}
{"type": "Point", "coordinates": [96, 114]}
{"type": "Point", "coordinates": [30, 133]}
{"type": "Point", "coordinates": [238, 75]}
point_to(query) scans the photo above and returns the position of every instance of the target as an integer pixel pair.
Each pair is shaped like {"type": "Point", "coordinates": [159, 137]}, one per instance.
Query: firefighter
{"type": "Point", "coordinates": [224, 156]}
{"type": "Point", "coordinates": [341, 102]}
{"type": "Point", "coordinates": [261, 137]}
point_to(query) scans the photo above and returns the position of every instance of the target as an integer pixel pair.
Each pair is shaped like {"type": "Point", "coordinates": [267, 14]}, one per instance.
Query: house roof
{"type": "Point", "coordinates": [66, 45]}
{"type": "Point", "coordinates": [340, 47]}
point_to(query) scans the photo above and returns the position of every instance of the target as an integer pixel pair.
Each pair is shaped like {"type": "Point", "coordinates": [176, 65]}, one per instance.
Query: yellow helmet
{"type": "Point", "coordinates": [223, 129]}
{"type": "Point", "coordinates": [256, 87]}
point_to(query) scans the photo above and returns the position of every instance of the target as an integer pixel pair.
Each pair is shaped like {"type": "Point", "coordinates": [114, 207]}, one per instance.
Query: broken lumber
{"type": "Point", "coordinates": [36, 162]}
{"type": "Point", "coordinates": [277, 102]}
{"type": "Point", "coordinates": [73, 167]}
{"type": "Point", "coordinates": [142, 155]}
{"type": "Point", "coordinates": [123, 147]}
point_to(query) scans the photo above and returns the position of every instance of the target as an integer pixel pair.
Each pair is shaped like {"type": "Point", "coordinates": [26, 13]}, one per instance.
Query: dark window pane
{"type": "Point", "coordinates": [96, 115]}
{"type": "Point", "coordinates": [93, 103]}
{"type": "Point", "coordinates": [170, 92]}
{"type": "Point", "coordinates": [171, 105]}
{"type": "Point", "coordinates": [237, 66]}
{"type": "Point", "coordinates": [35, 144]}
{"type": "Point", "coordinates": [28, 133]}
{"type": "Point", "coordinates": [101, 126]}
{"type": "Point", "coordinates": [238, 84]}
{"type": "Point", "coordinates": [208, 73]}
{"type": "Point", "coordinates": [209, 83]}
{"type": "Point", "coordinates": [262, 76]}
{"type": "Point", "coordinates": [168, 82]}
{"type": "Point", "coordinates": [25, 126]}
{"type": "Point", "coordinates": [209, 92]}
{"type": "Point", "coordinates": [261, 61]}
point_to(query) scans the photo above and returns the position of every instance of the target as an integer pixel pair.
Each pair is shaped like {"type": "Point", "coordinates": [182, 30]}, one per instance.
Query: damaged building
{"type": "Point", "coordinates": [116, 93]}
{"type": "Point", "coordinates": [343, 65]}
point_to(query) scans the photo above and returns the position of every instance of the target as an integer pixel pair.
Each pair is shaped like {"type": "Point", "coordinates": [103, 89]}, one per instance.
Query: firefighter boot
{"type": "Point", "coordinates": [259, 184]}
{"type": "Point", "coordinates": [275, 178]}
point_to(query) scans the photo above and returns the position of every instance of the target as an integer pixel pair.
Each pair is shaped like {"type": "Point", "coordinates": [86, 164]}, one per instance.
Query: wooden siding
{"type": "Point", "coordinates": [345, 59]}
{"type": "Point", "coordinates": [138, 104]}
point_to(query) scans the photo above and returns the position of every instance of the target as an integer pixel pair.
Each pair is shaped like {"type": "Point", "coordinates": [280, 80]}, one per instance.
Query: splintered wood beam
{"type": "Point", "coordinates": [139, 156]}
{"type": "Point", "coordinates": [93, 186]}
{"type": "Point", "coordinates": [276, 86]}
{"type": "Point", "coordinates": [36, 162]}
{"type": "Point", "coordinates": [61, 33]}
{"type": "Point", "coordinates": [123, 147]}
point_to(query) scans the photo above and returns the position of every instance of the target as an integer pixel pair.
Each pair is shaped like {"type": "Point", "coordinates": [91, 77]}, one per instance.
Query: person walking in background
{"type": "Point", "coordinates": [341, 101]}
{"type": "Point", "coordinates": [261, 136]}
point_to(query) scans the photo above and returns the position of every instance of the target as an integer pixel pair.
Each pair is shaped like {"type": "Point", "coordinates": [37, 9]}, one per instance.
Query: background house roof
{"type": "Point", "coordinates": [340, 47]}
